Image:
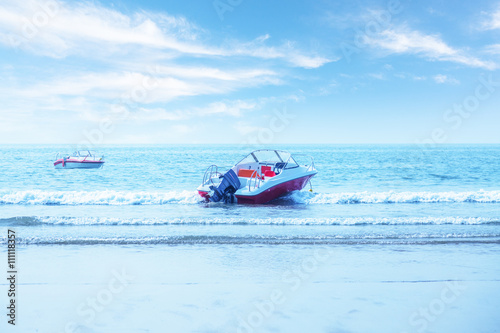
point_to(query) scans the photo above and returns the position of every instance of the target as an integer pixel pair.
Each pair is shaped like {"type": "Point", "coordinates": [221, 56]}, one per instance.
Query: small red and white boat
{"type": "Point", "coordinates": [82, 159]}
{"type": "Point", "coordinates": [262, 176]}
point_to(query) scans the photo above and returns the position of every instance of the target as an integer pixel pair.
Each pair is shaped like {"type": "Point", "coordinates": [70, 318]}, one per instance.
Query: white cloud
{"type": "Point", "coordinates": [200, 72]}
{"type": "Point", "coordinates": [161, 84]}
{"type": "Point", "coordinates": [402, 75]}
{"type": "Point", "coordinates": [58, 29]}
{"type": "Point", "coordinates": [227, 108]}
{"type": "Point", "coordinates": [377, 76]}
{"type": "Point", "coordinates": [441, 78]}
{"type": "Point", "coordinates": [233, 108]}
{"type": "Point", "coordinates": [286, 51]}
{"type": "Point", "coordinates": [329, 88]}
{"type": "Point", "coordinates": [493, 49]}
{"type": "Point", "coordinates": [300, 60]}
{"type": "Point", "coordinates": [402, 40]}
{"type": "Point", "coordinates": [112, 51]}
{"type": "Point", "coordinates": [493, 20]}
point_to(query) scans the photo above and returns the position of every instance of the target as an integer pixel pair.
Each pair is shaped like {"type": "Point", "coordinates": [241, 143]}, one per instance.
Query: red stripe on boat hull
{"type": "Point", "coordinates": [60, 161]}
{"type": "Point", "coordinates": [275, 191]}
{"type": "Point", "coordinates": [203, 194]}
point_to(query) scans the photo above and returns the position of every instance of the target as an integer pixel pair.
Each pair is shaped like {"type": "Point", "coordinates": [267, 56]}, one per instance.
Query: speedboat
{"type": "Point", "coordinates": [81, 159]}
{"type": "Point", "coordinates": [262, 176]}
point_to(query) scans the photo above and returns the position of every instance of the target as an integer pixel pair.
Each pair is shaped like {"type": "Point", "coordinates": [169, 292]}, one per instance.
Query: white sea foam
{"type": "Point", "coordinates": [396, 197]}
{"type": "Point", "coordinates": [115, 198]}
{"type": "Point", "coordinates": [414, 238]}
{"type": "Point", "coordinates": [38, 197]}
{"type": "Point", "coordinates": [266, 221]}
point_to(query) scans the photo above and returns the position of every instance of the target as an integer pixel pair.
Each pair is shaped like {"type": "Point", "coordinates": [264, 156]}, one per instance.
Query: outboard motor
{"type": "Point", "coordinates": [226, 189]}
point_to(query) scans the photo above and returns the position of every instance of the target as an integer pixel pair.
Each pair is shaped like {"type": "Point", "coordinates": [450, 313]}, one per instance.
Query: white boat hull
{"type": "Point", "coordinates": [78, 164]}
{"type": "Point", "coordinates": [259, 192]}
{"type": "Point", "coordinates": [260, 177]}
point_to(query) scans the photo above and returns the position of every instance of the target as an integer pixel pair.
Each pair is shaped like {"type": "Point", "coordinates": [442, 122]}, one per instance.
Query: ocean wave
{"type": "Point", "coordinates": [391, 197]}
{"type": "Point", "coordinates": [113, 198]}
{"type": "Point", "coordinates": [267, 240]}
{"type": "Point", "coordinates": [343, 221]}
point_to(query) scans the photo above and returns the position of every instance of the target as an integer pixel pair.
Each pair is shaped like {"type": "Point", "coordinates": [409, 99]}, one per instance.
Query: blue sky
{"type": "Point", "coordinates": [241, 71]}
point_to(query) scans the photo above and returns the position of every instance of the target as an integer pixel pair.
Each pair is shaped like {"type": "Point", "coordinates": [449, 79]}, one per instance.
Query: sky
{"type": "Point", "coordinates": [241, 71]}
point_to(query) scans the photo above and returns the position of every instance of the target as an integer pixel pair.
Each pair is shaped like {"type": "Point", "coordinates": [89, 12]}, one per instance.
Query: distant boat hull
{"type": "Point", "coordinates": [76, 164]}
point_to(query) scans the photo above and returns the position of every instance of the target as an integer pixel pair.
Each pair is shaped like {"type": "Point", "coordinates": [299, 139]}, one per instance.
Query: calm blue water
{"type": "Point", "coordinates": [397, 228]}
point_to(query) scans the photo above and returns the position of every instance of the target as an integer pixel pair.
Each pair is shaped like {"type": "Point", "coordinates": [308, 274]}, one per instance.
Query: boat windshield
{"type": "Point", "coordinates": [83, 153]}
{"type": "Point", "coordinates": [270, 157]}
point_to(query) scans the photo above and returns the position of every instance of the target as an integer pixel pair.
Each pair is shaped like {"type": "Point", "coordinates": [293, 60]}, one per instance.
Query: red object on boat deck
{"type": "Point", "coordinates": [265, 168]}
{"type": "Point", "coordinates": [248, 173]}
{"type": "Point", "coordinates": [270, 173]}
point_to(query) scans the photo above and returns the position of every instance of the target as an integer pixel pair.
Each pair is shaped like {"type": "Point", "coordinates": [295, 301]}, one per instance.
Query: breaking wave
{"type": "Point", "coordinates": [116, 198]}
{"type": "Point", "coordinates": [392, 197]}
{"type": "Point", "coordinates": [112, 198]}
{"type": "Point", "coordinates": [417, 239]}
{"type": "Point", "coordinates": [344, 221]}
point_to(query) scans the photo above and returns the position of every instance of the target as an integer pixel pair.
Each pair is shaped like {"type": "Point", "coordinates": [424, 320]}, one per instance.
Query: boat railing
{"type": "Point", "coordinates": [93, 155]}
{"type": "Point", "coordinates": [89, 156]}
{"type": "Point", "coordinates": [311, 166]}
{"type": "Point", "coordinates": [256, 182]}
{"type": "Point", "coordinates": [211, 171]}
{"type": "Point", "coordinates": [61, 155]}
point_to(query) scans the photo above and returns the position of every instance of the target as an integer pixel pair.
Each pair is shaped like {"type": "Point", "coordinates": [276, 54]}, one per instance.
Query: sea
{"type": "Point", "coordinates": [388, 238]}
